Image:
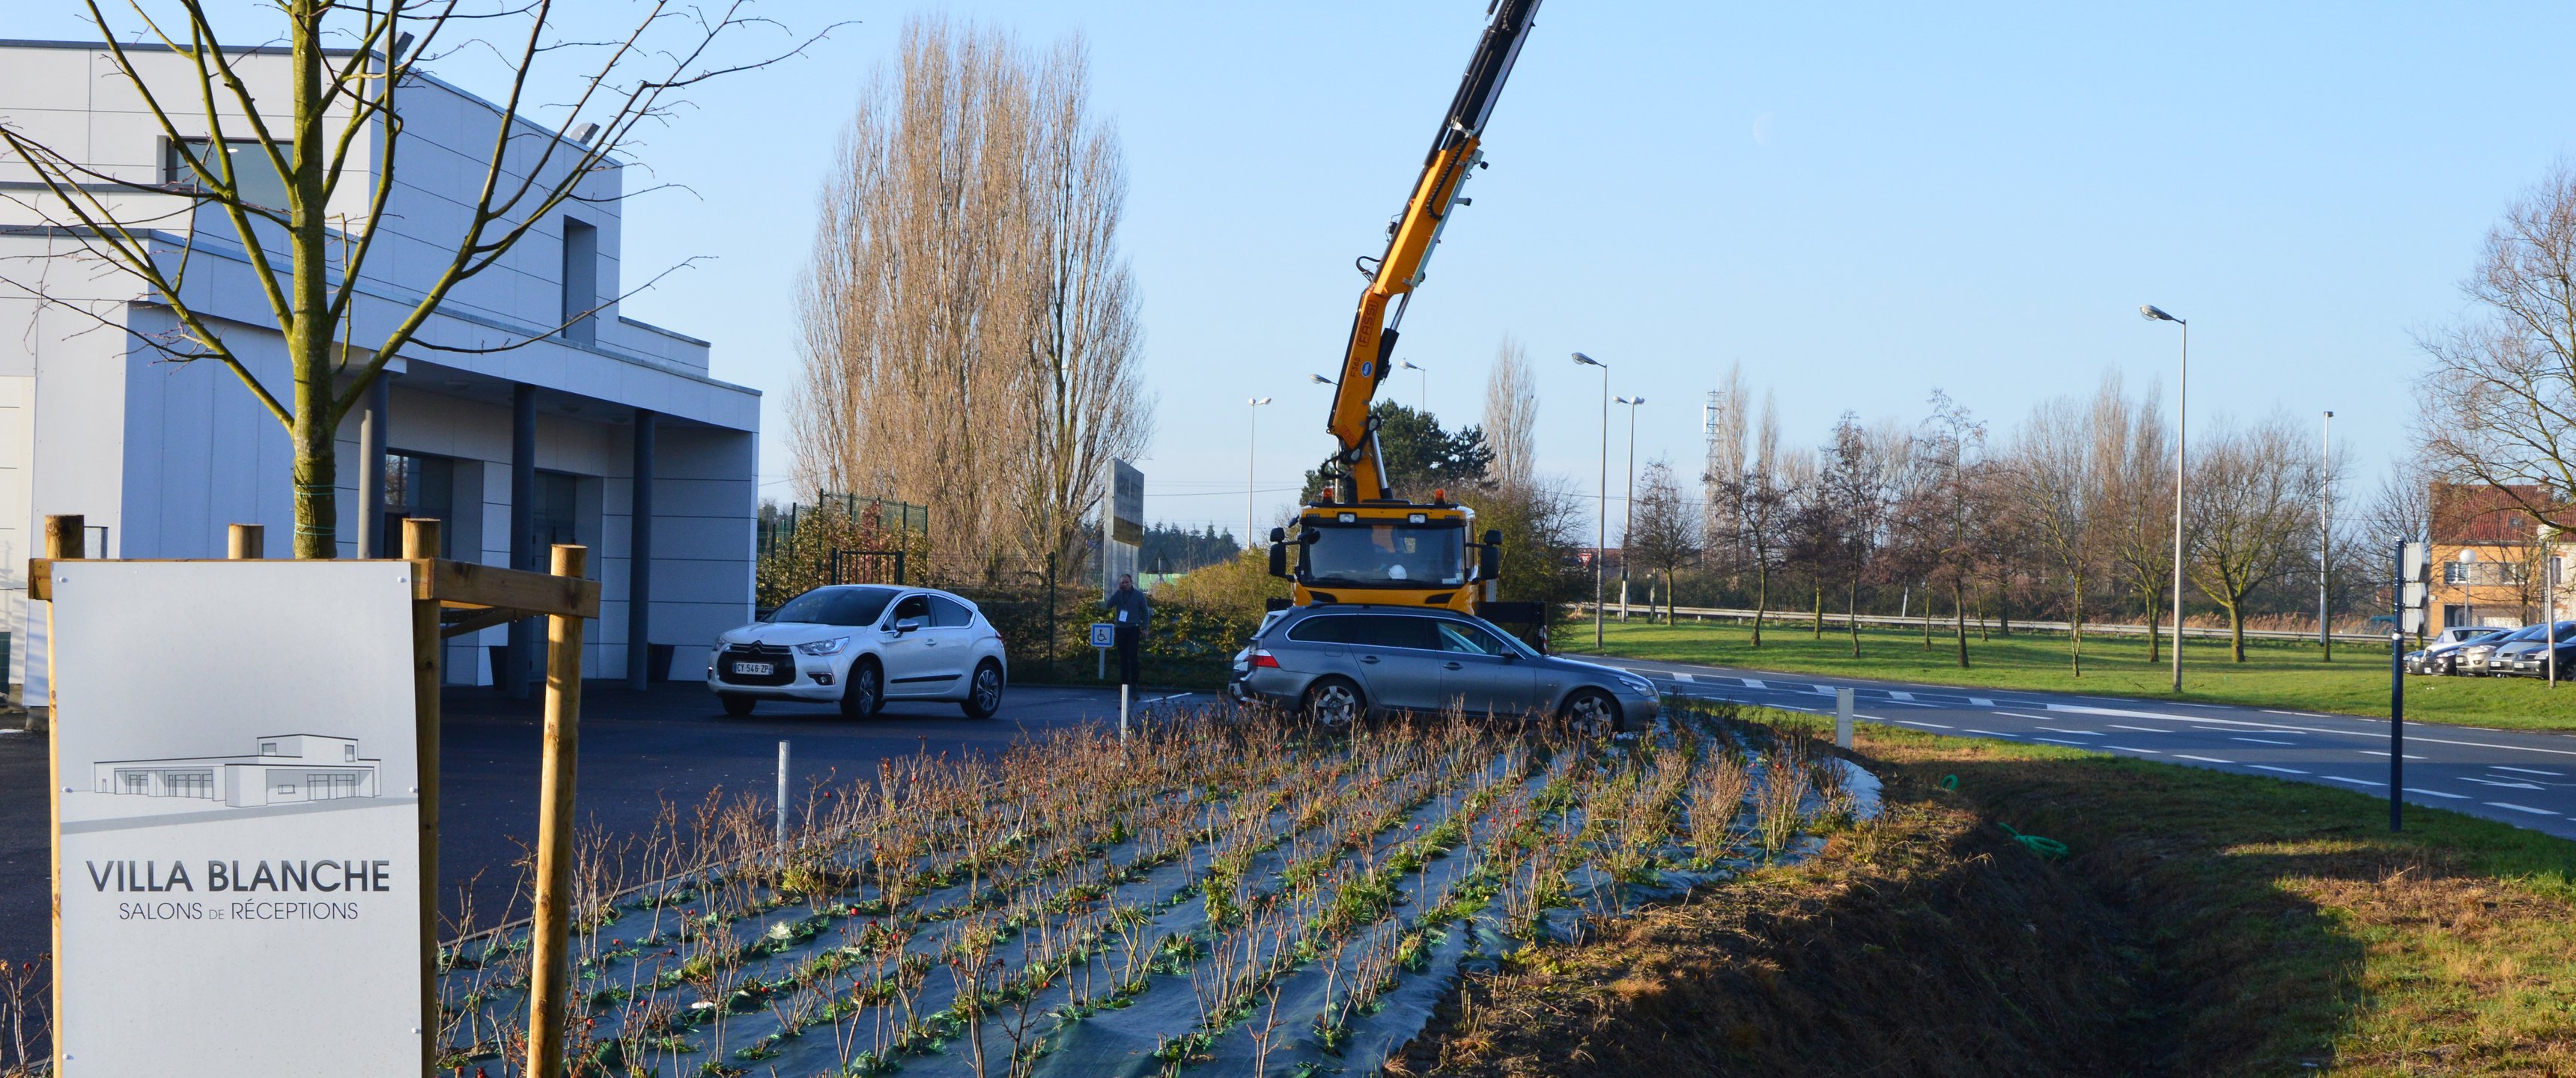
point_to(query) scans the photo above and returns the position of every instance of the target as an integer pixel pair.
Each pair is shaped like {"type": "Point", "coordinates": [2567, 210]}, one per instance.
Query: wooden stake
{"type": "Point", "coordinates": [63, 535]}
{"type": "Point", "coordinates": [420, 543]}
{"type": "Point", "coordinates": [551, 937]}
{"type": "Point", "coordinates": [248, 541]}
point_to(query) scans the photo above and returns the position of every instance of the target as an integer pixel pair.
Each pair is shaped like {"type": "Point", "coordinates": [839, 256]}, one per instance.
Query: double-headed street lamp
{"type": "Point", "coordinates": [2182, 388]}
{"type": "Point", "coordinates": [1600, 545]}
{"type": "Point", "coordinates": [1628, 512]}
{"type": "Point", "coordinates": [1252, 446]}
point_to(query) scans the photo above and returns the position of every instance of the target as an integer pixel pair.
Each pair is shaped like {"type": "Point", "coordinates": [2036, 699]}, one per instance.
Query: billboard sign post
{"type": "Point", "coordinates": [1122, 523]}
{"type": "Point", "coordinates": [245, 803]}
{"type": "Point", "coordinates": [2407, 596]}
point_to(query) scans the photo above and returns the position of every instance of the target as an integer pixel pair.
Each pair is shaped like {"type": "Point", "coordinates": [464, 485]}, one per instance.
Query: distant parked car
{"type": "Point", "coordinates": [2482, 658]}
{"type": "Point", "coordinates": [1336, 664]}
{"type": "Point", "coordinates": [2528, 658]}
{"type": "Point", "coordinates": [2443, 653]}
{"type": "Point", "coordinates": [861, 645]}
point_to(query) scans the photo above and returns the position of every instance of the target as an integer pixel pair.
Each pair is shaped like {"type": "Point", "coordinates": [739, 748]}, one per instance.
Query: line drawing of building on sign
{"type": "Point", "coordinates": [284, 769]}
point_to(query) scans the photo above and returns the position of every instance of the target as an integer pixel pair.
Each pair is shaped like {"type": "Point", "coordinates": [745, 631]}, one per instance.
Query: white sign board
{"type": "Point", "coordinates": [1122, 523]}
{"type": "Point", "coordinates": [236, 786]}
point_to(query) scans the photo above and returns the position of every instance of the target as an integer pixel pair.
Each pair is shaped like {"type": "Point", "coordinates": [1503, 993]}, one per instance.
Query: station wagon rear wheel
{"type": "Point", "coordinates": [1334, 702]}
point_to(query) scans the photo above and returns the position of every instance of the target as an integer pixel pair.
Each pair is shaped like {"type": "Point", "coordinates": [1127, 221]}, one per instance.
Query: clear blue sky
{"type": "Point", "coordinates": [1858, 204]}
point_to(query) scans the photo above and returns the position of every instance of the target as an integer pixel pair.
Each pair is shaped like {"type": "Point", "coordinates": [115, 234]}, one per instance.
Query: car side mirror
{"type": "Point", "coordinates": [907, 625]}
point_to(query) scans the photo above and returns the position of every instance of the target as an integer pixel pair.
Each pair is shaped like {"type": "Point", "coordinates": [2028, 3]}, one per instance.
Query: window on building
{"type": "Point", "coordinates": [557, 510]}
{"type": "Point", "coordinates": [197, 784]}
{"type": "Point", "coordinates": [580, 280]}
{"type": "Point", "coordinates": [418, 485]}
{"type": "Point", "coordinates": [253, 176]}
{"type": "Point", "coordinates": [268, 748]}
{"type": "Point", "coordinates": [349, 753]}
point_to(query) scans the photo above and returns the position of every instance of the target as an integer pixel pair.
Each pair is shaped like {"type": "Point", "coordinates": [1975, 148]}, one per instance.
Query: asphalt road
{"type": "Point", "coordinates": [2523, 778]}
{"type": "Point", "coordinates": [637, 750]}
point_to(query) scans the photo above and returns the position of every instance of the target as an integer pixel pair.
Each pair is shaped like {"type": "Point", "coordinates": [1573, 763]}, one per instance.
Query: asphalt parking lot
{"type": "Point", "coordinates": [637, 751]}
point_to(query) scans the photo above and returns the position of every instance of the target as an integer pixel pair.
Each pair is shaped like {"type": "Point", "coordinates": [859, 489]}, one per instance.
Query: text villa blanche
{"type": "Point", "coordinates": [228, 877]}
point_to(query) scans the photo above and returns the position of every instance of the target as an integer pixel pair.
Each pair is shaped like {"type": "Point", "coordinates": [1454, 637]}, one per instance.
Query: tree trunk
{"type": "Point", "coordinates": [1820, 608]}
{"type": "Point", "coordinates": [1761, 598]}
{"type": "Point", "coordinates": [1959, 620]}
{"type": "Point", "coordinates": [2236, 630]}
{"type": "Point", "coordinates": [315, 467]}
{"type": "Point", "coordinates": [2003, 609]}
{"type": "Point", "coordinates": [1851, 613]}
{"type": "Point", "coordinates": [1927, 615]}
{"type": "Point", "coordinates": [2155, 614]}
{"type": "Point", "coordinates": [2075, 632]}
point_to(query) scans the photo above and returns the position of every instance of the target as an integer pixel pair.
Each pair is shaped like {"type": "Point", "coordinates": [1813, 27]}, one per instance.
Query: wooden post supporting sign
{"type": "Point", "coordinates": [550, 936]}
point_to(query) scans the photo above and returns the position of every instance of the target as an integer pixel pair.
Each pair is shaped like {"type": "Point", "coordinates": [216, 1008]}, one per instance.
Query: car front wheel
{"type": "Point", "coordinates": [866, 691]}
{"type": "Point", "coordinates": [984, 694]}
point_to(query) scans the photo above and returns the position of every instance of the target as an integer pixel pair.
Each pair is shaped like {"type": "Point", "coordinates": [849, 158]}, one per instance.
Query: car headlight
{"type": "Point", "coordinates": [832, 646]}
{"type": "Point", "coordinates": [1640, 685]}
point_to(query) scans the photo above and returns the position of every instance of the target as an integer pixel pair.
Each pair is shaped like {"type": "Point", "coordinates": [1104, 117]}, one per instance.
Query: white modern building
{"type": "Point", "coordinates": [561, 440]}
{"type": "Point", "coordinates": [287, 769]}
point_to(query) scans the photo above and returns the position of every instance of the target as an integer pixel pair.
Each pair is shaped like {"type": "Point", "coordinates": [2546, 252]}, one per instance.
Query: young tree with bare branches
{"type": "Point", "coordinates": [2134, 450]}
{"type": "Point", "coordinates": [2056, 477]}
{"type": "Point", "coordinates": [1511, 417]}
{"type": "Point", "coordinates": [1663, 536]}
{"type": "Point", "coordinates": [2251, 514]}
{"type": "Point", "coordinates": [2500, 391]}
{"type": "Point", "coordinates": [306, 185]}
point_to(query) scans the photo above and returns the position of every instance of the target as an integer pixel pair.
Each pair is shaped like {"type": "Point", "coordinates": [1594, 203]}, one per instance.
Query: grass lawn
{"type": "Point", "coordinates": [2276, 674]}
{"type": "Point", "coordinates": [2200, 923]}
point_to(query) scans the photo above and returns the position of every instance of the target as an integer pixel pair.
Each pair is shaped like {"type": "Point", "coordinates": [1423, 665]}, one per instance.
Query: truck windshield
{"type": "Point", "coordinates": [1387, 556]}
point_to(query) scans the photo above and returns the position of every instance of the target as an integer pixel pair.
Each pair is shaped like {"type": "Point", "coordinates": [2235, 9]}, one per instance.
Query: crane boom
{"type": "Point", "coordinates": [1356, 463]}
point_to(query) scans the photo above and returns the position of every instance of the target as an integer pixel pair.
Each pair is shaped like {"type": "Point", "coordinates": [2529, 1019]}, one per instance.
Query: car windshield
{"type": "Point", "coordinates": [1387, 555]}
{"type": "Point", "coordinates": [843, 605]}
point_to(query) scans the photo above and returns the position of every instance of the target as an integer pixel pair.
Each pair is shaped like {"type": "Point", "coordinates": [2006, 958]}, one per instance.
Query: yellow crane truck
{"type": "Point", "coordinates": [1359, 542]}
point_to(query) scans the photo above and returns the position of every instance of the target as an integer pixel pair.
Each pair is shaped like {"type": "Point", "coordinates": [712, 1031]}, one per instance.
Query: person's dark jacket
{"type": "Point", "coordinates": [1131, 600]}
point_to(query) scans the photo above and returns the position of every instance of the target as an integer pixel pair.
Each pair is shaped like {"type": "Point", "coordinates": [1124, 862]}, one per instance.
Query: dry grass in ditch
{"type": "Point", "coordinates": [2205, 924]}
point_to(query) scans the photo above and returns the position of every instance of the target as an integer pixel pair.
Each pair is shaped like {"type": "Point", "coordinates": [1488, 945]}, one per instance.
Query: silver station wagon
{"type": "Point", "coordinates": [1339, 663]}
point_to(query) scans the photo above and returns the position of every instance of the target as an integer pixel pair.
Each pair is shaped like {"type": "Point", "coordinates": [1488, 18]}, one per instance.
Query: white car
{"type": "Point", "coordinates": [861, 645]}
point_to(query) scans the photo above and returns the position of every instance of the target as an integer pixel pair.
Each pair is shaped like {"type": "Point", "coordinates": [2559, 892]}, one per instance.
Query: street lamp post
{"type": "Point", "coordinates": [1252, 446]}
{"type": "Point", "coordinates": [1628, 511]}
{"type": "Point", "coordinates": [2182, 396]}
{"type": "Point", "coordinates": [2325, 537]}
{"type": "Point", "coordinates": [1423, 401]}
{"type": "Point", "coordinates": [1601, 544]}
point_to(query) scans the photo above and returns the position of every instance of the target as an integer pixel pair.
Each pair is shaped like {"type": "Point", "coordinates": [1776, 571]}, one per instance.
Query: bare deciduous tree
{"type": "Point", "coordinates": [2251, 514]}
{"type": "Point", "coordinates": [1950, 448]}
{"type": "Point", "coordinates": [2056, 477]}
{"type": "Point", "coordinates": [1662, 535]}
{"type": "Point", "coordinates": [331, 148]}
{"type": "Point", "coordinates": [1760, 496]}
{"type": "Point", "coordinates": [2135, 452]}
{"type": "Point", "coordinates": [2501, 391]}
{"type": "Point", "coordinates": [967, 312]}
{"type": "Point", "coordinates": [1511, 417]}
{"type": "Point", "coordinates": [1722, 501]}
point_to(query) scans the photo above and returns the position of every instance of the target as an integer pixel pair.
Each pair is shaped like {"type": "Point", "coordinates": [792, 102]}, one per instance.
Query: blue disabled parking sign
{"type": "Point", "coordinates": [1104, 635]}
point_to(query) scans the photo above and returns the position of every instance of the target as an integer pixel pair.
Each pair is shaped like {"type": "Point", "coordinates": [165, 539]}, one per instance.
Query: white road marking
{"type": "Point", "coordinates": [2376, 752]}
{"type": "Point", "coordinates": [2521, 808]}
{"type": "Point", "coordinates": [2437, 793]}
{"type": "Point", "coordinates": [1895, 695]}
{"type": "Point", "coordinates": [1823, 690]}
{"type": "Point", "coordinates": [2140, 729]}
{"type": "Point", "coordinates": [1680, 676]}
{"type": "Point", "coordinates": [2054, 741]}
{"type": "Point", "coordinates": [2507, 785]}
{"type": "Point", "coordinates": [2203, 759]}
{"type": "Point", "coordinates": [2057, 730]}
{"type": "Point", "coordinates": [2125, 748]}
{"type": "Point", "coordinates": [2525, 770]}
{"type": "Point", "coordinates": [1979, 701]}
{"type": "Point", "coordinates": [2356, 782]}
{"type": "Point", "coordinates": [1754, 683]}
{"type": "Point", "coordinates": [1988, 733]}
{"type": "Point", "coordinates": [2262, 741]}
{"type": "Point", "coordinates": [2019, 715]}
{"type": "Point", "coordinates": [2301, 714]}
{"type": "Point", "coordinates": [1934, 725]}
{"type": "Point", "coordinates": [2283, 770]}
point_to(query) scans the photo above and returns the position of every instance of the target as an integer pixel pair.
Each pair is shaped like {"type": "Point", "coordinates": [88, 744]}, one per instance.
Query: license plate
{"type": "Point", "coordinates": [754, 668]}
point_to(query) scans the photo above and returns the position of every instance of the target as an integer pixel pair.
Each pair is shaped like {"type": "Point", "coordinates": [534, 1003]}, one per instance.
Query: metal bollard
{"type": "Point", "coordinates": [1123, 690]}
{"type": "Point", "coordinates": [782, 795]}
{"type": "Point", "coordinates": [1843, 718]}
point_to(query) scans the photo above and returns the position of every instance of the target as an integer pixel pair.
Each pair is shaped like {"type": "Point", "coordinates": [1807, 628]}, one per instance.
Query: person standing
{"type": "Point", "coordinates": [1129, 611]}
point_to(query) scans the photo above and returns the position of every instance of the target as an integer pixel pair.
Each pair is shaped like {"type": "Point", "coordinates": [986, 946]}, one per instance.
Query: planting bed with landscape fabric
{"type": "Point", "coordinates": [1222, 890]}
